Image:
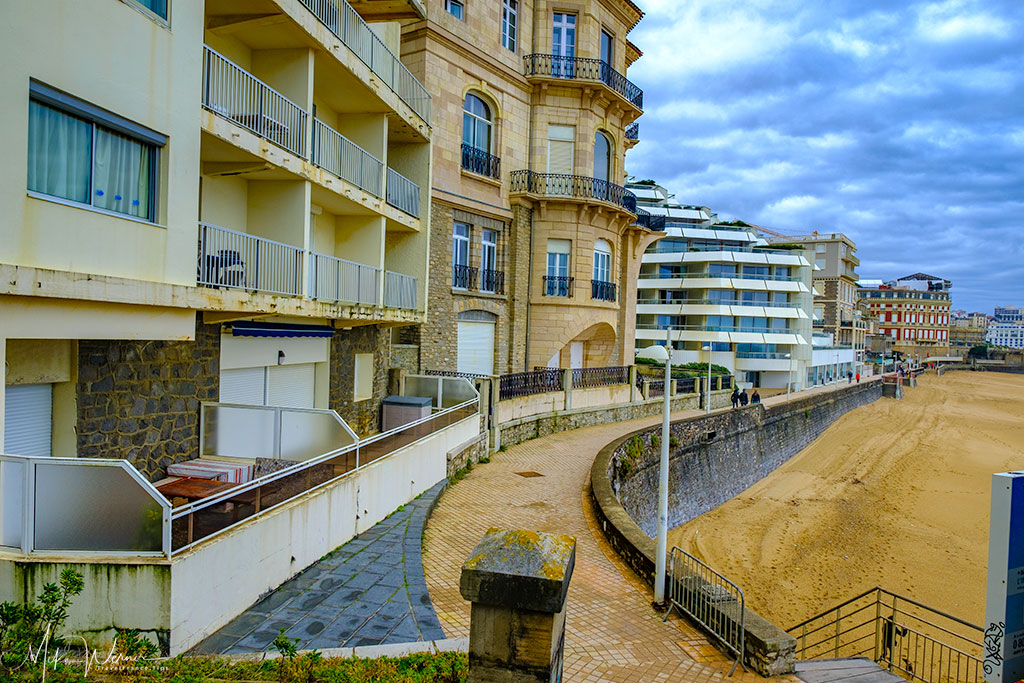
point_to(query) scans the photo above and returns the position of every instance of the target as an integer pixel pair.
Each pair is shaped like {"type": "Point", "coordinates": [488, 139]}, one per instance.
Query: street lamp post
{"type": "Point", "coordinates": [707, 403]}
{"type": "Point", "coordinates": [664, 354]}
{"type": "Point", "coordinates": [789, 374]}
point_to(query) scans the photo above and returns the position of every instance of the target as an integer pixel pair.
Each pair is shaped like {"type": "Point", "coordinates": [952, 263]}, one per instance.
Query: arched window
{"type": "Point", "coordinates": [476, 124]}
{"type": "Point", "coordinates": [602, 156]}
{"type": "Point", "coordinates": [602, 285]}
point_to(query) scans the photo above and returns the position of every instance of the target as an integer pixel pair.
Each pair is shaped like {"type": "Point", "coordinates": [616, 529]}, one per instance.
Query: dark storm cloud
{"type": "Point", "coordinates": [898, 123]}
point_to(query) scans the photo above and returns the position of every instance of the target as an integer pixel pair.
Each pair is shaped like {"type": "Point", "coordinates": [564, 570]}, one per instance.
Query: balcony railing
{"type": "Point", "coordinates": [492, 281]}
{"type": "Point", "coordinates": [399, 290]}
{"type": "Point", "coordinates": [575, 186]}
{"type": "Point", "coordinates": [479, 161]}
{"type": "Point", "coordinates": [590, 378]}
{"type": "Point", "coordinates": [403, 194]}
{"type": "Point", "coordinates": [345, 23]}
{"type": "Point", "coordinates": [336, 154]}
{"type": "Point", "coordinates": [228, 258]}
{"type": "Point", "coordinates": [558, 285]}
{"type": "Point", "coordinates": [715, 302]}
{"type": "Point", "coordinates": [762, 355]}
{"type": "Point", "coordinates": [576, 68]}
{"type": "Point", "coordinates": [232, 92]}
{"type": "Point", "coordinates": [713, 328]}
{"type": "Point", "coordinates": [633, 131]}
{"type": "Point", "coordinates": [602, 291]}
{"type": "Point", "coordinates": [718, 276]}
{"type": "Point", "coordinates": [539, 381]}
{"type": "Point", "coordinates": [463, 277]}
{"type": "Point", "coordinates": [335, 279]}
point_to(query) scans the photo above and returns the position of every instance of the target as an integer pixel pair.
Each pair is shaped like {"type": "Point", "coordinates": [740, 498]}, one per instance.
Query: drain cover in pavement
{"type": "Point", "coordinates": [529, 474]}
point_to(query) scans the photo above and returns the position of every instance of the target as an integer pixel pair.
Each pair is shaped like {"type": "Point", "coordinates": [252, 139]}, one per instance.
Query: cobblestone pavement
{"type": "Point", "coordinates": [369, 591]}
{"type": "Point", "coordinates": [612, 633]}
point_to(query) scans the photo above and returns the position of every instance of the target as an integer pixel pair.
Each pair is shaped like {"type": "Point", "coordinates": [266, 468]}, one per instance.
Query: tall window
{"type": "Point", "coordinates": [476, 123]}
{"type": "Point", "coordinates": [509, 23]}
{"type": "Point", "coordinates": [455, 8]}
{"type": "Point", "coordinates": [557, 282]}
{"type": "Point", "coordinates": [80, 160]}
{"type": "Point", "coordinates": [460, 256]}
{"type": "Point", "coordinates": [602, 156]}
{"type": "Point", "coordinates": [488, 260]}
{"type": "Point", "coordinates": [603, 261]}
{"type": "Point", "coordinates": [563, 45]}
{"type": "Point", "coordinates": [607, 43]}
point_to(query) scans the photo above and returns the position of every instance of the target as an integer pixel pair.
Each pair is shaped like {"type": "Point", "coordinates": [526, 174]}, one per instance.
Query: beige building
{"type": "Point", "coordinates": [534, 246]}
{"type": "Point", "coordinates": [216, 201]}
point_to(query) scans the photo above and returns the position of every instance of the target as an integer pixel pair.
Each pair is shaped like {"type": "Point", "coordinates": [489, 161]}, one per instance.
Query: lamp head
{"type": "Point", "coordinates": [659, 353]}
{"type": "Point", "coordinates": [706, 347]}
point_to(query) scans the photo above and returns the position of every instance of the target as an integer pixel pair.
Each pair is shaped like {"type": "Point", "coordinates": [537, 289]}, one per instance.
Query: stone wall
{"type": "Point", "coordinates": [362, 416]}
{"type": "Point", "coordinates": [406, 357]}
{"type": "Point", "coordinates": [466, 453]}
{"type": "Point", "coordinates": [139, 400]}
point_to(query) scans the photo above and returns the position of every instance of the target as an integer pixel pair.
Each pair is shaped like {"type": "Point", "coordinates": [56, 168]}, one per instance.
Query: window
{"type": "Point", "coordinates": [719, 323]}
{"type": "Point", "coordinates": [779, 325]}
{"type": "Point", "coordinates": [561, 141]}
{"type": "Point", "coordinates": [83, 154]}
{"type": "Point", "coordinates": [602, 157]}
{"type": "Point", "coordinates": [557, 281]}
{"type": "Point", "coordinates": [509, 23]}
{"type": "Point", "coordinates": [721, 296]}
{"type": "Point", "coordinates": [363, 377]}
{"type": "Point", "coordinates": [455, 8]}
{"type": "Point", "coordinates": [721, 270]}
{"type": "Point", "coordinates": [602, 261]}
{"type": "Point", "coordinates": [157, 7]}
{"type": "Point", "coordinates": [476, 123]}
{"type": "Point", "coordinates": [721, 346]}
{"type": "Point", "coordinates": [460, 256]}
{"type": "Point", "coordinates": [488, 260]}
{"type": "Point", "coordinates": [756, 271]}
{"type": "Point", "coordinates": [607, 46]}
{"type": "Point", "coordinates": [563, 45]}
{"type": "Point", "coordinates": [754, 298]}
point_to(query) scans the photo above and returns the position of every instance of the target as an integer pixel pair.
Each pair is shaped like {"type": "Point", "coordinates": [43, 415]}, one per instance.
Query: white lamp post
{"type": "Point", "coordinates": [789, 374]}
{"type": "Point", "coordinates": [665, 355]}
{"type": "Point", "coordinates": [707, 403]}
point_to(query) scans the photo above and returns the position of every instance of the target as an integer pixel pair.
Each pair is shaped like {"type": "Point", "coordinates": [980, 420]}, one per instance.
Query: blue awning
{"type": "Point", "coordinates": [257, 329]}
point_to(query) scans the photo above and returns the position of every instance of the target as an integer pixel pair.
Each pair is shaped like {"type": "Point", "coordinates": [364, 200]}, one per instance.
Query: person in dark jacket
{"type": "Point", "coordinates": [743, 397]}
{"type": "Point", "coordinates": [755, 397]}
{"type": "Point", "coordinates": [735, 397]}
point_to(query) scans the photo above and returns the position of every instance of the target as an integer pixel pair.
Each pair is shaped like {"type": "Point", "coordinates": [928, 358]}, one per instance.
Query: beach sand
{"type": "Point", "coordinates": [894, 494]}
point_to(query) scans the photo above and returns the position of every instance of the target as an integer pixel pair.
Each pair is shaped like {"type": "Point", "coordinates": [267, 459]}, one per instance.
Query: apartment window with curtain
{"type": "Point", "coordinates": [509, 23]}
{"type": "Point", "coordinates": [84, 155]}
{"type": "Point", "coordinates": [455, 8]}
{"type": "Point", "coordinates": [557, 281]}
{"type": "Point", "coordinates": [603, 289]}
{"type": "Point", "coordinates": [489, 280]}
{"type": "Point", "coordinates": [461, 272]}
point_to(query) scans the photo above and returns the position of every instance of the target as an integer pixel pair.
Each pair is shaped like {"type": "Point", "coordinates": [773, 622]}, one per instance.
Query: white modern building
{"type": "Point", "coordinates": [1006, 334]}
{"type": "Point", "coordinates": [712, 288]}
{"type": "Point", "coordinates": [830, 362]}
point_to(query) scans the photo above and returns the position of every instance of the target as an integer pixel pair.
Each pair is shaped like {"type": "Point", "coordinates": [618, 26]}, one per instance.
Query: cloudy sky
{"type": "Point", "coordinates": [897, 122]}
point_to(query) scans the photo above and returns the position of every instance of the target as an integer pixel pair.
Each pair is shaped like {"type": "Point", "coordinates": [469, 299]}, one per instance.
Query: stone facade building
{"type": "Point", "coordinates": [913, 311]}
{"type": "Point", "coordinates": [534, 243]}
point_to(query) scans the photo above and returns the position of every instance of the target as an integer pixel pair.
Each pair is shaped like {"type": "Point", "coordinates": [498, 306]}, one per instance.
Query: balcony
{"type": "Point", "coordinates": [478, 161]}
{"type": "Point", "coordinates": [463, 277]}
{"type": "Point", "coordinates": [633, 131]}
{"type": "Point", "coordinates": [399, 290]}
{"type": "Point", "coordinates": [232, 259]}
{"type": "Point", "coordinates": [237, 95]}
{"type": "Point", "coordinates": [337, 280]}
{"type": "Point", "coordinates": [558, 285]}
{"type": "Point", "coordinates": [574, 187]}
{"type": "Point", "coordinates": [403, 194]}
{"type": "Point", "coordinates": [492, 281]}
{"type": "Point", "coordinates": [336, 154]}
{"type": "Point", "coordinates": [602, 291]}
{"type": "Point", "coordinates": [343, 21]}
{"type": "Point", "coordinates": [576, 68]}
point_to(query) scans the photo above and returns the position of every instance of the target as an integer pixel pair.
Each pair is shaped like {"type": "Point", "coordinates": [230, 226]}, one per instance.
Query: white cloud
{"type": "Point", "coordinates": [954, 20]}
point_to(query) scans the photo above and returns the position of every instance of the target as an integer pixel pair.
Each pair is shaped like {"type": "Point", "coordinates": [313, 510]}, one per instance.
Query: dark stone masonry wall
{"type": "Point", "coordinates": [362, 416]}
{"type": "Point", "coordinates": [139, 400]}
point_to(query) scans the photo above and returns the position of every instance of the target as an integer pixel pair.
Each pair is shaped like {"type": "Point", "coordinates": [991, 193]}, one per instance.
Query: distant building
{"type": "Point", "coordinates": [913, 311]}
{"type": "Point", "coordinates": [1009, 314]}
{"type": "Point", "coordinates": [1009, 334]}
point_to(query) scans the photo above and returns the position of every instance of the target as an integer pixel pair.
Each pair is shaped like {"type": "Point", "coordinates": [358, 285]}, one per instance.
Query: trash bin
{"type": "Point", "coordinates": [401, 410]}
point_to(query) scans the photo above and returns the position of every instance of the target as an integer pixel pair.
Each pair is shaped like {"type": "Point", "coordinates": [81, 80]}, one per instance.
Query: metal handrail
{"type": "Point", "coordinates": [712, 302]}
{"type": "Point", "coordinates": [559, 285]}
{"type": "Point", "coordinates": [492, 281]}
{"type": "Point", "coordinates": [602, 290]}
{"type": "Point", "coordinates": [633, 131]}
{"type": "Point", "coordinates": [399, 290]}
{"type": "Point", "coordinates": [336, 279]}
{"type": "Point", "coordinates": [579, 68]}
{"type": "Point", "coordinates": [719, 276]}
{"type": "Point", "coordinates": [575, 186]}
{"type": "Point", "coordinates": [403, 194]}
{"type": "Point", "coordinates": [479, 161]}
{"type": "Point", "coordinates": [463, 276]}
{"type": "Point", "coordinates": [336, 154]}
{"type": "Point", "coordinates": [229, 258]}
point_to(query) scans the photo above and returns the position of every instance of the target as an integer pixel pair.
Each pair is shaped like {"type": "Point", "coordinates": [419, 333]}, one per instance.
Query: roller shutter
{"type": "Point", "coordinates": [28, 419]}
{"type": "Point", "coordinates": [291, 385]}
{"type": "Point", "coordinates": [476, 347]}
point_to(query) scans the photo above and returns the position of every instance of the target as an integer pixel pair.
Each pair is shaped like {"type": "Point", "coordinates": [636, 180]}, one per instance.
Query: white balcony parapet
{"type": "Point", "coordinates": [228, 258]}
{"type": "Point", "coordinates": [399, 290]}
{"type": "Point", "coordinates": [336, 154]}
{"type": "Point", "coordinates": [234, 93]}
{"type": "Point", "coordinates": [403, 193]}
{"type": "Point", "coordinates": [345, 23]}
{"type": "Point", "coordinates": [335, 279]}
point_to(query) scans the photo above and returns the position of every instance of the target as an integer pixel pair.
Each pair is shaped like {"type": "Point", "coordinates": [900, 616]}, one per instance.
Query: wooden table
{"type": "Point", "coordinates": [190, 488]}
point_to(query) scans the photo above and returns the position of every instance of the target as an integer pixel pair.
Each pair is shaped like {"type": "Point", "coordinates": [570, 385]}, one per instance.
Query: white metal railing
{"type": "Point", "coordinates": [344, 22]}
{"type": "Point", "coordinates": [399, 290]}
{"type": "Point", "coordinates": [403, 193]}
{"type": "Point", "coordinates": [335, 153]}
{"type": "Point", "coordinates": [335, 279]}
{"type": "Point", "coordinates": [234, 93]}
{"type": "Point", "coordinates": [272, 432]}
{"type": "Point", "coordinates": [228, 258]}
{"type": "Point", "coordinates": [65, 506]}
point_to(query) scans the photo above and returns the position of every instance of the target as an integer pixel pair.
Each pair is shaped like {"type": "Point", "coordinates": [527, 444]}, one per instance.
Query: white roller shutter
{"type": "Point", "coordinates": [243, 385]}
{"type": "Point", "coordinates": [28, 419]}
{"type": "Point", "coordinates": [476, 347]}
{"type": "Point", "coordinates": [561, 141]}
{"type": "Point", "coordinates": [292, 385]}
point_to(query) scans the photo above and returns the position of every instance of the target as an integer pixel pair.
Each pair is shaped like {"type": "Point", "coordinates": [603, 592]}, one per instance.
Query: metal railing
{"type": "Point", "coordinates": [602, 291]}
{"type": "Point", "coordinates": [762, 354]}
{"type": "Point", "coordinates": [492, 281]}
{"type": "Point", "coordinates": [716, 302]}
{"type": "Point", "coordinates": [539, 381]}
{"type": "Point", "coordinates": [479, 161]}
{"type": "Point", "coordinates": [558, 285]}
{"type": "Point", "coordinates": [698, 327]}
{"type": "Point", "coordinates": [403, 194]}
{"type": "Point", "coordinates": [345, 23]}
{"type": "Point", "coordinates": [399, 290]}
{"type": "Point", "coordinates": [718, 276]}
{"type": "Point", "coordinates": [589, 378]}
{"type": "Point", "coordinates": [578, 68]}
{"type": "Point", "coordinates": [463, 277]}
{"type": "Point", "coordinates": [228, 258]}
{"type": "Point", "coordinates": [451, 373]}
{"type": "Point", "coordinates": [633, 131]}
{"type": "Point", "coordinates": [234, 93]}
{"type": "Point", "coordinates": [335, 279]}
{"type": "Point", "coordinates": [336, 154]}
{"type": "Point", "coordinates": [575, 186]}
{"type": "Point", "coordinates": [908, 638]}
{"type": "Point", "coordinates": [710, 599]}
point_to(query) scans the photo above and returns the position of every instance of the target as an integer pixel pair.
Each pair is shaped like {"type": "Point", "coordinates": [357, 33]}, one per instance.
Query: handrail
{"type": "Point", "coordinates": [403, 194]}
{"type": "Point", "coordinates": [480, 161]}
{"type": "Point", "coordinates": [230, 258]}
{"type": "Point", "coordinates": [575, 186]}
{"type": "Point", "coordinates": [576, 68]}
{"type": "Point", "coordinates": [337, 279]}
{"type": "Point", "coordinates": [336, 154]}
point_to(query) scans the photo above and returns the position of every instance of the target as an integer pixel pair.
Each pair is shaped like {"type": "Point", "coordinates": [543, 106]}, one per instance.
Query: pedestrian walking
{"type": "Point", "coordinates": [849, 378]}
{"type": "Point", "coordinates": [755, 397]}
{"type": "Point", "coordinates": [735, 397]}
{"type": "Point", "coordinates": [744, 398]}
{"type": "Point", "coordinates": [858, 378]}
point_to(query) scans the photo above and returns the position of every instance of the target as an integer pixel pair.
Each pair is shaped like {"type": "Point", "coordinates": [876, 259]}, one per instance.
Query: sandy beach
{"type": "Point", "coordinates": [894, 494]}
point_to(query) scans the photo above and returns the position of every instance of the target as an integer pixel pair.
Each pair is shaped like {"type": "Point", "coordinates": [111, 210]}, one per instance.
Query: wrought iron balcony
{"type": "Point", "coordinates": [602, 291]}
{"type": "Point", "coordinates": [576, 68]}
{"type": "Point", "coordinates": [492, 281]}
{"type": "Point", "coordinates": [463, 277]}
{"type": "Point", "coordinates": [558, 285]}
{"type": "Point", "coordinates": [575, 186]}
{"type": "Point", "coordinates": [479, 161]}
{"type": "Point", "coordinates": [633, 131]}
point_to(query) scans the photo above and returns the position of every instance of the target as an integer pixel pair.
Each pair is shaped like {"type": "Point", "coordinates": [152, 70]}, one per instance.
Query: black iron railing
{"type": "Point", "coordinates": [558, 285]}
{"type": "Point", "coordinates": [463, 277]}
{"type": "Point", "coordinates": [451, 373]}
{"type": "Point", "coordinates": [479, 161]}
{"type": "Point", "coordinates": [576, 186]}
{"type": "Point", "coordinates": [685, 385]}
{"type": "Point", "coordinates": [492, 281]}
{"type": "Point", "coordinates": [529, 383]}
{"type": "Point", "coordinates": [589, 378]}
{"type": "Point", "coordinates": [602, 291]}
{"type": "Point", "coordinates": [633, 131]}
{"type": "Point", "coordinates": [576, 68]}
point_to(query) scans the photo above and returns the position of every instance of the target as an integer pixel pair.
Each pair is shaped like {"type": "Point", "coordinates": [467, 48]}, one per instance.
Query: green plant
{"type": "Point", "coordinates": [503, 447]}
{"type": "Point", "coordinates": [673, 441]}
{"type": "Point", "coordinates": [129, 644]}
{"type": "Point", "coordinates": [484, 460]}
{"type": "Point", "coordinates": [655, 442]}
{"type": "Point", "coordinates": [30, 630]}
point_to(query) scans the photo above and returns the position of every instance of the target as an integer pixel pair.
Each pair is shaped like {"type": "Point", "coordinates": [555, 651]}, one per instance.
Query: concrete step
{"type": "Point", "coordinates": [852, 669]}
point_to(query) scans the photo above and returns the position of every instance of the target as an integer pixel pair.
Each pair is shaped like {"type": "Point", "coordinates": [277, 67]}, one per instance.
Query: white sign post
{"type": "Point", "coordinates": [1004, 605]}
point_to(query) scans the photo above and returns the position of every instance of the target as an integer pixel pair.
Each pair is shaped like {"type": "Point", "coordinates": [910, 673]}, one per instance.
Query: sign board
{"type": "Point", "coordinates": [1004, 604]}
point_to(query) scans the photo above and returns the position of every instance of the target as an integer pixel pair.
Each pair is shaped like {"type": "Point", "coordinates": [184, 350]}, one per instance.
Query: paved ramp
{"type": "Point", "coordinates": [854, 670]}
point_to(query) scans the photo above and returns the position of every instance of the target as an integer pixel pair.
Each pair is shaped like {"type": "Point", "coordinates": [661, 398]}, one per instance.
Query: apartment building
{"type": "Point", "coordinates": [1008, 334]}
{"type": "Point", "coordinates": [216, 202]}
{"type": "Point", "coordinates": [913, 311]}
{"type": "Point", "coordinates": [534, 245]}
{"type": "Point", "coordinates": [717, 289]}
{"type": "Point", "coordinates": [966, 330]}
{"type": "Point", "coordinates": [1009, 314]}
{"type": "Point", "coordinates": [835, 285]}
